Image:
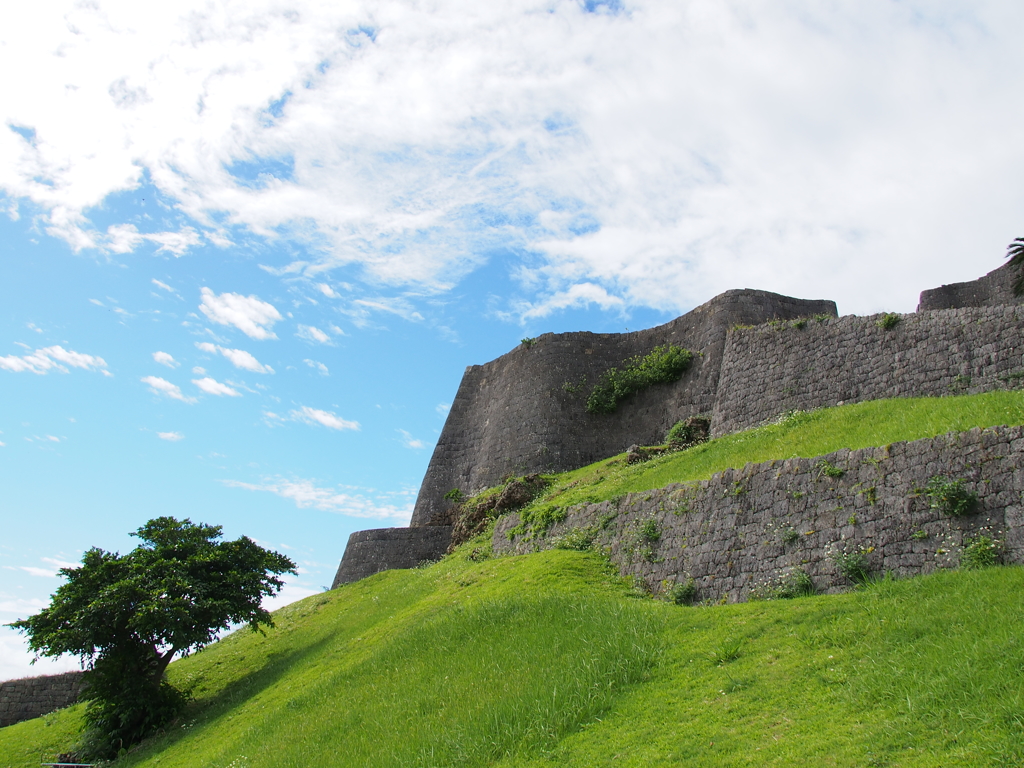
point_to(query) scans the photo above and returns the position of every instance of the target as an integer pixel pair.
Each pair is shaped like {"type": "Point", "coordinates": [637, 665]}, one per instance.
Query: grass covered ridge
{"type": "Point", "coordinates": [801, 434]}
{"type": "Point", "coordinates": [549, 660]}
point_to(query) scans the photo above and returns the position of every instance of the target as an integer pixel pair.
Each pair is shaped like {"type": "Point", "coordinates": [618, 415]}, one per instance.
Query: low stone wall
{"type": "Point", "coordinates": [382, 549]}
{"type": "Point", "coordinates": [35, 696]}
{"type": "Point", "coordinates": [774, 368]}
{"type": "Point", "coordinates": [746, 528]}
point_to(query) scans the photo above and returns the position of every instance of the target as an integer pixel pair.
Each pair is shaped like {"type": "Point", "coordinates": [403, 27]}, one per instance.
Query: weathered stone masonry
{"type": "Point", "coordinates": [34, 696]}
{"type": "Point", "coordinates": [514, 416]}
{"type": "Point", "coordinates": [774, 368]}
{"type": "Point", "coordinates": [729, 533]}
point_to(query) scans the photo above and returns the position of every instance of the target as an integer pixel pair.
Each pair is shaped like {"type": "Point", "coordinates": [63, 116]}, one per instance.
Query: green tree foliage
{"type": "Point", "coordinates": [662, 365]}
{"type": "Point", "coordinates": [127, 616]}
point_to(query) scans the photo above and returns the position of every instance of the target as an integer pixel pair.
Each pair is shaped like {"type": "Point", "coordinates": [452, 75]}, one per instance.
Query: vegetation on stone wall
{"type": "Point", "coordinates": [662, 365]}
{"type": "Point", "coordinates": [950, 496]}
{"type": "Point", "coordinates": [889, 321]}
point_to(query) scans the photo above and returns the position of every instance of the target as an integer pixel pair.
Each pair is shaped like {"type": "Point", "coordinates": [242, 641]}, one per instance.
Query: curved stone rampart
{"type": "Point", "coordinates": [748, 528]}
{"type": "Point", "coordinates": [514, 415]}
{"type": "Point", "coordinates": [382, 549]}
{"type": "Point", "coordinates": [31, 697]}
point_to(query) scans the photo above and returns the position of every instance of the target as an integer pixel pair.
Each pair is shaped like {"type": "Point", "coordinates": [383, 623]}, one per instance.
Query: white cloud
{"type": "Point", "coordinates": [15, 657]}
{"type": "Point", "coordinates": [248, 314]}
{"type": "Point", "coordinates": [160, 284]}
{"type": "Point", "coordinates": [238, 357]}
{"type": "Point", "coordinates": [409, 441]}
{"type": "Point", "coordinates": [660, 151]}
{"type": "Point", "coordinates": [50, 571]}
{"type": "Point", "coordinates": [54, 358]}
{"type": "Point", "coordinates": [198, 370]}
{"type": "Point", "coordinates": [443, 408]}
{"type": "Point", "coordinates": [328, 419]}
{"type": "Point", "coordinates": [34, 571]}
{"type": "Point", "coordinates": [312, 333]}
{"type": "Point", "coordinates": [160, 386]}
{"type": "Point", "coordinates": [579, 295]}
{"type": "Point", "coordinates": [165, 358]}
{"type": "Point", "coordinates": [327, 291]}
{"type": "Point", "coordinates": [214, 387]}
{"type": "Point", "coordinates": [307, 494]}
{"type": "Point", "coordinates": [318, 366]}
{"type": "Point", "coordinates": [171, 436]}
{"type": "Point", "coordinates": [125, 238]}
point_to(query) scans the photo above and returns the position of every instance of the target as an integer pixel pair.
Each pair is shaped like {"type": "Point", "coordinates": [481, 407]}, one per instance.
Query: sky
{"type": "Point", "coordinates": [247, 249]}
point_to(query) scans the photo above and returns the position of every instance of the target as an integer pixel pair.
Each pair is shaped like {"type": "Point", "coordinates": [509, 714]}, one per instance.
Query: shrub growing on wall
{"type": "Point", "coordinates": [661, 366]}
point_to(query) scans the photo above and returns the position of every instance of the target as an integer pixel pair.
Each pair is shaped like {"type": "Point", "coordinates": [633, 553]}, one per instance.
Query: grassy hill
{"type": "Point", "coordinates": [552, 659]}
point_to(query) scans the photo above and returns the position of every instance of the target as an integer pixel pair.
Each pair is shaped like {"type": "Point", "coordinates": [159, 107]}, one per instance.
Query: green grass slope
{"type": "Point", "coordinates": [801, 434]}
{"type": "Point", "coordinates": [548, 659]}
{"type": "Point", "coordinates": [552, 659]}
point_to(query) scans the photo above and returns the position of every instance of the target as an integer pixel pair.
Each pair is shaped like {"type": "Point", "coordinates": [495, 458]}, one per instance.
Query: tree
{"type": "Point", "coordinates": [1015, 253]}
{"type": "Point", "coordinates": [126, 617]}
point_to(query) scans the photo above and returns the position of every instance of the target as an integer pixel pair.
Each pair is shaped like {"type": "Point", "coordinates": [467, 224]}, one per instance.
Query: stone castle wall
{"type": "Point", "coordinates": [774, 368]}
{"type": "Point", "coordinates": [749, 527]}
{"type": "Point", "coordinates": [992, 290]}
{"type": "Point", "coordinates": [35, 696]}
{"type": "Point", "coordinates": [513, 415]}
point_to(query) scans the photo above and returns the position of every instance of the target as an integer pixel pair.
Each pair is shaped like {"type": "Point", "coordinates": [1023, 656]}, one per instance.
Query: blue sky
{"type": "Point", "coordinates": [248, 248]}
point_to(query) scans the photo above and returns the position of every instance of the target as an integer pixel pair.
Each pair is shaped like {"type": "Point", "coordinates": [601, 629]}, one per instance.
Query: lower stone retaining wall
{"type": "Point", "coordinates": [35, 696]}
{"type": "Point", "coordinates": [748, 528]}
{"type": "Point", "coordinates": [382, 549]}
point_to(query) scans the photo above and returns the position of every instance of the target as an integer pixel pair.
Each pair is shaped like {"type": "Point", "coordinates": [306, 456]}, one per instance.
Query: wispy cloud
{"type": "Point", "coordinates": [213, 387]}
{"type": "Point", "coordinates": [165, 358]}
{"type": "Point", "coordinates": [312, 333]}
{"type": "Point", "coordinates": [165, 286]}
{"type": "Point", "coordinates": [354, 502]}
{"type": "Point", "coordinates": [409, 441]}
{"type": "Point", "coordinates": [238, 357]}
{"type": "Point", "coordinates": [443, 408]}
{"type": "Point", "coordinates": [55, 358]}
{"type": "Point", "coordinates": [163, 387]}
{"type": "Point", "coordinates": [328, 419]}
{"type": "Point", "coordinates": [250, 315]}
{"type": "Point", "coordinates": [656, 151]}
{"type": "Point", "coordinates": [170, 436]}
{"type": "Point", "coordinates": [318, 366]}
{"type": "Point", "coordinates": [125, 238]}
{"type": "Point", "coordinates": [50, 571]}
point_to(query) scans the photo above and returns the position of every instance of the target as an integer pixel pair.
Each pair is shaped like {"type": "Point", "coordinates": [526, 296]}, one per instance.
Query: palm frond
{"type": "Point", "coordinates": [1015, 253]}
